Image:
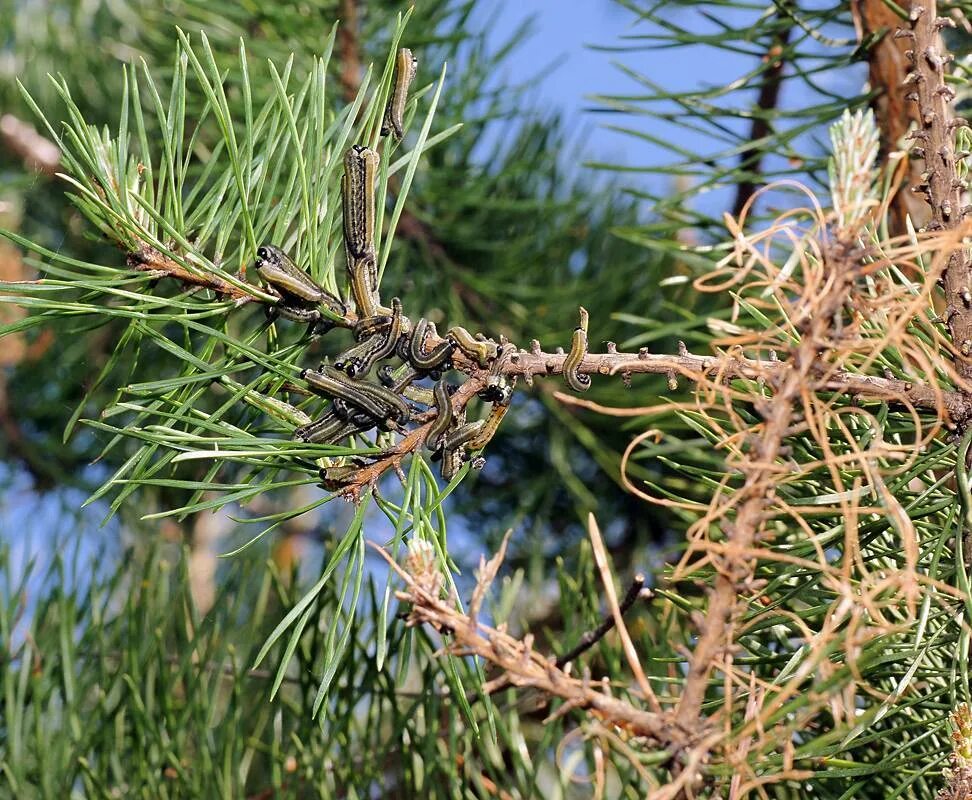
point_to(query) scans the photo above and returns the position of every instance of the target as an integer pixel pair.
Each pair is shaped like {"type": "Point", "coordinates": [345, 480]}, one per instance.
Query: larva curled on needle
{"type": "Point", "coordinates": [578, 350]}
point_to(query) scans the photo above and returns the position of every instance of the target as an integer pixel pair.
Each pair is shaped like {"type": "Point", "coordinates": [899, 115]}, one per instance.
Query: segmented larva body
{"type": "Point", "coordinates": [441, 424]}
{"type": "Point", "coordinates": [406, 65]}
{"type": "Point", "coordinates": [578, 350]}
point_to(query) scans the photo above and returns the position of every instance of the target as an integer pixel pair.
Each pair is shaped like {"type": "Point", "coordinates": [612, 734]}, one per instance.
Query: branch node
{"type": "Point", "coordinates": [934, 60]}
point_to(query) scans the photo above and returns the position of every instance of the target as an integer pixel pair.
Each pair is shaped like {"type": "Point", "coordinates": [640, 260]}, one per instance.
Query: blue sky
{"type": "Point", "coordinates": [566, 35]}
{"type": "Point", "coordinates": [563, 32]}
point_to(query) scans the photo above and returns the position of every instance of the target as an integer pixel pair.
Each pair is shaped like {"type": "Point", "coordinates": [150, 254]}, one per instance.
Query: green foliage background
{"type": "Point", "coordinates": [114, 683]}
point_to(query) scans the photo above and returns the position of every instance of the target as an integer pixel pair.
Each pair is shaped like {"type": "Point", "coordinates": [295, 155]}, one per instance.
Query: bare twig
{"type": "Point", "coordinates": [696, 367]}
{"type": "Point", "coordinates": [593, 636]}
{"type": "Point", "coordinates": [149, 260]}
{"type": "Point", "coordinates": [941, 187]}
{"type": "Point", "coordinates": [525, 667]}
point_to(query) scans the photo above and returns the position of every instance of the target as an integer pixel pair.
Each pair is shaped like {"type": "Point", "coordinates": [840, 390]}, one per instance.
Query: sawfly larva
{"type": "Point", "coordinates": [441, 395]}
{"type": "Point", "coordinates": [299, 295]}
{"type": "Point", "coordinates": [436, 358]}
{"type": "Point", "coordinates": [578, 350]}
{"type": "Point", "coordinates": [328, 429]}
{"type": "Point", "coordinates": [406, 65]}
{"type": "Point", "coordinates": [358, 200]}
{"type": "Point", "coordinates": [488, 428]}
{"type": "Point", "coordinates": [359, 359]}
{"type": "Point", "coordinates": [481, 349]}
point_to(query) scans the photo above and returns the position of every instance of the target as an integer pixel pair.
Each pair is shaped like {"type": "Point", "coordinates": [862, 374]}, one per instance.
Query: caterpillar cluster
{"type": "Point", "coordinates": [391, 399]}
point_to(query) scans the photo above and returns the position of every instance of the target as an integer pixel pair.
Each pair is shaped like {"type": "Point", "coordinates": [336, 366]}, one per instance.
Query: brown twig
{"type": "Point", "coordinates": [149, 260]}
{"type": "Point", "coordinates": [941, 187]}
{"type": "Point", "coordinates": [695, 368]}
{"type": "Point", "coordinates": [524, 666]}
{"type": "Point", "coordinates": [593, 636]}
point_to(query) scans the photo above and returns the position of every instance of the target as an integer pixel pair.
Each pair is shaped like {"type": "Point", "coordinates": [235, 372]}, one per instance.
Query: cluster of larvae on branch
{"type": "Point", "coordinates": [391, 399]}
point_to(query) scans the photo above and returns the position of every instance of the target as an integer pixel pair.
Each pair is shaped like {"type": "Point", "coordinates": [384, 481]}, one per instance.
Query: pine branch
{"type": "Point", "coordinates": [522, 665]}
{"type": "Point", "coordinates": [735, 566]}
{"type": "Point", "coordinates": [697, 369]}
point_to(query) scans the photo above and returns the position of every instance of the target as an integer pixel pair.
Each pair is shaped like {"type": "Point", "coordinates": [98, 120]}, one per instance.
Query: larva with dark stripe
{"type": "Point", "coordinates": [452, 461]}
{"type": "Point", "coordinates": [406, 64]}
{"type": "Point", "coordinates": [489, 427]}
{"type": "Point", "coordinates": [483, 350]}
{"type": "Point", "coordinates": [375, 400]}
{"type": "Point", "coordinates": [366, 327]}
{"type": "Point", "coordinates": [329, 428]}
{"type": "Point", "coordinates": [461, 436]}
{"type": "Point", "coordinates": [443, 420]}
{"type": "Point", "coordinates": [434, 359]}
{"type": "Point", "coordinates": [578, 350]}
{"type": "Point", "coordinates": [334, 384]}
{"type": "Point", "coordinates": [397, 408]}
{"type": "Point", "coordinates": [360, 359]}
{"type": "Point", "coordinates": [299, 294]}
{"type": "Point", "coordinates": [363, 277]}
{"type": "Point", "coordinates": [358, 200]}
{"type": "Point", "coordinates": [337, 477]}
